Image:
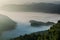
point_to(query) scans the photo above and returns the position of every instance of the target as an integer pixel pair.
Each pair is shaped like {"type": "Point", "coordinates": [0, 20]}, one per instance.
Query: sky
{"type": "Point", "coordinates": [2, 2]}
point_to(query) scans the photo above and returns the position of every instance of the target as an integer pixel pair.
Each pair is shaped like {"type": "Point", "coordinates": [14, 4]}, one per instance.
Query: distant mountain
{"type": "Point", "coordinates": [35, 7]}
{"type": "Point", "coordinates": [56, 2]}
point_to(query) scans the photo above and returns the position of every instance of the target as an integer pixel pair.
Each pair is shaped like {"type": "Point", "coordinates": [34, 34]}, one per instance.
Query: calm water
{"type": "Point", "coordinates": [23, 25]}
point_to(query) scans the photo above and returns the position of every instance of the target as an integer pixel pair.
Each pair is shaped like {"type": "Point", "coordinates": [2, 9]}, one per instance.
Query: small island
{"type": "Point", "coordinates": [38, 23]}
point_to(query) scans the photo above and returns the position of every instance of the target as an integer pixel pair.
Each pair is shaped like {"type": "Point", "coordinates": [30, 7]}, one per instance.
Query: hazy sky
{"type": "Point", "coordinates": [23, 1]}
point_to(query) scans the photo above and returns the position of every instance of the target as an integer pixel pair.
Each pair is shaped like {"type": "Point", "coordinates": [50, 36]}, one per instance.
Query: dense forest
{"type": "Point", "coordinates": [52, 34]}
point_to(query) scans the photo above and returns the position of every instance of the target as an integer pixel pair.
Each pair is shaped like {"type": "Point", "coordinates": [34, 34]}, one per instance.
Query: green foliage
{"type": "Point", "coordinates": [52, 34]}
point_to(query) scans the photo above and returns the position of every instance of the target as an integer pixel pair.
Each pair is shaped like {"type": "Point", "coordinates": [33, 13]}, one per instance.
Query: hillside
{"type": "Point", "coordinates": [52, 34]}
{"type": "Point", "coordinates": [6, 23]}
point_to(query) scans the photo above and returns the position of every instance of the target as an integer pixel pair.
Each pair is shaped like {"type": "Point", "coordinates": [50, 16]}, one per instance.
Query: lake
{"type": "Point", "coordinates": [23, 26]}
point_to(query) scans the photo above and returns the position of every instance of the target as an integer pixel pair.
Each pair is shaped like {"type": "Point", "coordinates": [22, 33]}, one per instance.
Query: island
{"type": "Point", "coordinates": [39, 23]}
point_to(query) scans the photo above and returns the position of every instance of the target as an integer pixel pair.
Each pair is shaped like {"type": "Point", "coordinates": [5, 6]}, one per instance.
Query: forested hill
{"type": "Point", "coordinates": [52, 34]}
{"type": "Point", "coordinates": [34, 7]}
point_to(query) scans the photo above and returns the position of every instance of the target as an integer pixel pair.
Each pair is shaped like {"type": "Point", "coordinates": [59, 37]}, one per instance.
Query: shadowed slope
{"type": "Point", "coordinates": [6, 23]}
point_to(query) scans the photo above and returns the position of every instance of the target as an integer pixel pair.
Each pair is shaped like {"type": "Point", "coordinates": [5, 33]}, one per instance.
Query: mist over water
{"type": "Point", "coordinates": [22, 19]}
{"type": "Point", "coordinates": [23, 25]}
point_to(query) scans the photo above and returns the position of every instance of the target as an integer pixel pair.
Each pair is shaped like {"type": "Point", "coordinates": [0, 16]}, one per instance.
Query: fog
{"type": "Point", "coordinates": [22, 18]}
{"type": "Point", "coordinates": [23, 26]}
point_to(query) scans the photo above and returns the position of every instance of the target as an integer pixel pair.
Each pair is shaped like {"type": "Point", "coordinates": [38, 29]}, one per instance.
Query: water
{"type": "Point", "coordinates": [23, 25]}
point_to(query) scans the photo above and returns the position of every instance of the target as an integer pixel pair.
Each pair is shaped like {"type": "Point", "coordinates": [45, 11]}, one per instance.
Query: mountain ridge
{"type": "Point", "coordinates": [35, 7]}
